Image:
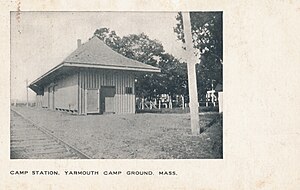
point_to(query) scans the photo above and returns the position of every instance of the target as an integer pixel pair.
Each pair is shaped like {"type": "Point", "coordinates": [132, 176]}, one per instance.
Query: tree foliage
{"type": "Point", "coordinates": [173, 77]}
{"type": "Point", "coordinates": [207, 33]}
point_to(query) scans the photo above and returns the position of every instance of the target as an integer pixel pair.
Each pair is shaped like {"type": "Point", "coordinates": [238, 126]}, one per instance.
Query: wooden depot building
{"type": "Point", "coordinates": [92, 79]}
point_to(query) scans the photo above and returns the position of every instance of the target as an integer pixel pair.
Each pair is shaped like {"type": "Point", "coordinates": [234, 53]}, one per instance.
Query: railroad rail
{"type": "Point", "coordinates": [30, 141]}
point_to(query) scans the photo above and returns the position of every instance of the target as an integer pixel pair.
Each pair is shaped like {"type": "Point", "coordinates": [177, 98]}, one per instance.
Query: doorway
{"type": "Point", "coordinates": [92, 100]}
{"type": "Point", "coordinates": [107, 94]}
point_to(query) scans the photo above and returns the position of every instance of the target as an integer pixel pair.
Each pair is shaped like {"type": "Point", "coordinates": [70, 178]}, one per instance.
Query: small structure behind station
{"type": "Point", "coordinates": [215, 96]}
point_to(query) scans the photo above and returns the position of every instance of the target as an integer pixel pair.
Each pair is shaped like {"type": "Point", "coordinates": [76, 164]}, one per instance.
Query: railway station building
{"type": "Point", "coordinates": [94, 79]}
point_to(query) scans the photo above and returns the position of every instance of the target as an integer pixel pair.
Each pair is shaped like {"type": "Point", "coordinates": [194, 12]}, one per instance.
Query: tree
{"type": "Point", "coordinates": [109, 37]}
{"type": "Point", "coordinates": [173, 77]}
{"type": "Point", "coordinates": [207, 32]}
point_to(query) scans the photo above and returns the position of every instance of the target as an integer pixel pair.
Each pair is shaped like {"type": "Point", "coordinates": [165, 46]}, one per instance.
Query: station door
{"type": "Point", "coordinates": [93, 101]}
{"type": "Point", "coordinates": [107, 94]}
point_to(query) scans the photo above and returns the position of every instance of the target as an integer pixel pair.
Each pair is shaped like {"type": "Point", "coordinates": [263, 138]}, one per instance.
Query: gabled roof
{"type": "Point", "coordinates": [93, 54]}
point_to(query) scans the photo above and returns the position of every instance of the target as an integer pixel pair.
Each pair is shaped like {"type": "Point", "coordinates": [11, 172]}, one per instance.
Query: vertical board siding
{"type": "Point", "coordinates": [45, 98]}
{"type": "Point", "coordinates": [124, 103]}
{"type": "Point", "coordinates": [70, 91]}
{"type": "Point", "coordinates": [39, 100]}
{"type": "Point", "coordinates": [66, 93]}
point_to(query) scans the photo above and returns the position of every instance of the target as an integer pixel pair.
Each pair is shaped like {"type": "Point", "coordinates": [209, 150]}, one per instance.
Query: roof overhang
{"type": "Point", "coordinates": [113, 67]}
{"type": "Point", "coordinates": [67, 68]}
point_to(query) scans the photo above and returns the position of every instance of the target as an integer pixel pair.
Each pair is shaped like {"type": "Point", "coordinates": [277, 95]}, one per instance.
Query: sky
{"type": "Point", "coordinates": [41, 40]}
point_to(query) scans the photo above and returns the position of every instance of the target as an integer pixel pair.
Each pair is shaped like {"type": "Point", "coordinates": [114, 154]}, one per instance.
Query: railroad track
{"type": "Point", "coordinates": [29, 141]}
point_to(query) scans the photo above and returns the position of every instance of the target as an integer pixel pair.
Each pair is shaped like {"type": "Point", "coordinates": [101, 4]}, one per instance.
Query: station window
{"type": "Point", "coordinates": [128, 90]}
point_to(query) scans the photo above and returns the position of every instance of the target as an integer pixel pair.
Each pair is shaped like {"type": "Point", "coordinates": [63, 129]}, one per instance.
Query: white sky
{"type": "Point", "coordinates": [41, 40]}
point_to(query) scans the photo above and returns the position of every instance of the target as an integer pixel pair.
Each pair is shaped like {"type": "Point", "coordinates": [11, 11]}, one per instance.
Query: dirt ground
{"type": "Point", "coordinates": [133, 136]}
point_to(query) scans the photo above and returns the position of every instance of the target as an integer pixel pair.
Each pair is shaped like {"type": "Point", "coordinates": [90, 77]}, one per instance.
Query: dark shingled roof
{"type": "Point", "coordinates": [96, 52]}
